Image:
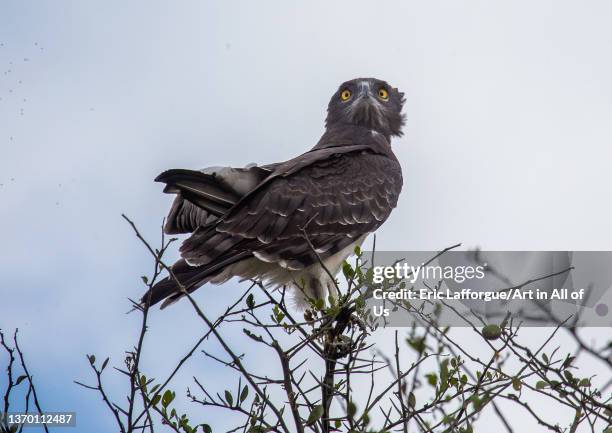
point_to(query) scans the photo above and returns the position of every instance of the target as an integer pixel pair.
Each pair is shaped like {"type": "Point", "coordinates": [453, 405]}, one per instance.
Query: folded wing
{"type": "Point", "coordinates": [334, 201]}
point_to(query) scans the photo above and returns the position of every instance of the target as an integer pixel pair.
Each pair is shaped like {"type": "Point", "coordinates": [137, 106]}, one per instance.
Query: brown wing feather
{"type": "Point", "coordinates": [337, 199]}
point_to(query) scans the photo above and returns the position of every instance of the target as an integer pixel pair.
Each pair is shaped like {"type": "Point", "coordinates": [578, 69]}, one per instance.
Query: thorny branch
{"type": "Point", "coordinates": [326, 372]}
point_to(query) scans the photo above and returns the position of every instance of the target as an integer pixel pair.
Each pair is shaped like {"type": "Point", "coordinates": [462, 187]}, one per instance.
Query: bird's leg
{"type": "Point", "coordinates": [316, 289]}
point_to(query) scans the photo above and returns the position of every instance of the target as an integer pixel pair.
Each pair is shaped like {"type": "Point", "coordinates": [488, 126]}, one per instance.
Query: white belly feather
{"type": "Point", "coordinates": [310, 282]}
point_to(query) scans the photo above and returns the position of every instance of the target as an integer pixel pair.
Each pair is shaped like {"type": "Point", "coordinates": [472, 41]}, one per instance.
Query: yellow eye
{"type": "Point", "coordinates": [383, 94]}
{"type": "Point", "coordinates": [346, 95]}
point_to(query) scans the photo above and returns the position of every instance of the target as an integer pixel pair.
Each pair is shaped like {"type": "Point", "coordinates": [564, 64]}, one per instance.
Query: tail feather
{"type": "Point", "coordinates": [202, 197]}
{"type": "Point", "coordinates": [199, 185]}
{"type": "Point", "coordinates": [186, 217]}
{"type": "Point", "coordinates": [189, 277]}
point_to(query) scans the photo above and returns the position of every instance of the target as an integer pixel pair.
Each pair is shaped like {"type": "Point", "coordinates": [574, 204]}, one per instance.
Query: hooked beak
{"type": "Point", "coordinates": [364, 94]}
{"type": "Point", "coordinates": [365, 108]}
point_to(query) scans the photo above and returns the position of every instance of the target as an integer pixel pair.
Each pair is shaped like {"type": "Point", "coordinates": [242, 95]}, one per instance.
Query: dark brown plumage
{"type": "Point", "coordinates": [250, 222]}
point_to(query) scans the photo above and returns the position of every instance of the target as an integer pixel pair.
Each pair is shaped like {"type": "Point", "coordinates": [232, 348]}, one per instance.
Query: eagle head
{"type": "Point", "coordinates": [367, 102]}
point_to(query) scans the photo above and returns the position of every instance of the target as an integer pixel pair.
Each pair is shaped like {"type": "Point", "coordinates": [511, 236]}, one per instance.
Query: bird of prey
{"type": "Point", "coordinates": [277, 223]}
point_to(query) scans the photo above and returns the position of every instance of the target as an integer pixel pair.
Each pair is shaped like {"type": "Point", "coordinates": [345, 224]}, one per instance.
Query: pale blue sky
{"type": "Point", "coordinates": [507, 144]}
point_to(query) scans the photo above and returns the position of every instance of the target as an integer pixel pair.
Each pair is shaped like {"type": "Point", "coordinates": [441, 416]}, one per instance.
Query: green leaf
{"type": "Point", "coordinates": [366, 418]}
{"type": "Point", "coordinates": [250, 301]}
{"type": "Point", "coordinates": [244, 394]}
{"type": "Point", "coordinates": [156, 399]}
{"type": "Point", "coordinates": [20, 379]}
{"type": "Point", "coordinates": [92, 359]}
{"type": "Point", "coordinates": [545, 357]}
{"type": "Point", "coordinates": [252, 336]}
{"type": "Point", "coordinates": [279, 315]}
{"type": "Point", "coordinates": [229, 398]}
{"type": "Point", "coordinates": [317, 412]}
{"type": "Point", "coordinates": [347, 270]}
{"type": "Point", "coordinates": [432, 379]}
{"type": "Point", "coordinates": [418, 344]}
{"type": "Point", "coordinates": [444, 376]}
{"type": "Point", "coordinates": [338, 424]}
{"type": "Point", "coordinates": [319, 304]}
{"type": "Point", "coordinates": [516, 383]}
{"type": "Point", "coordinates": [491, 332]}
{"type": "Point", "coordinates": [444, 371]}
{"type": "Point", "coordinates": [104, 364]}
{"type": "Point", "coordinates": [541, 384]}
{"type": "Point", "coordinates": [167, 398]}
{"type": "Point", "coordinates": [448, 419]}
{"type": "Point", "coordinates": [476, 401]}
{"type": "Point", "coordinates": [351, 410]}
{"type": "Point", "coordinates": [411, 399]}
{"type": "Point", "coordinates": [584, 382]}
{"type": "Point", "coordinates": [206, 428]}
